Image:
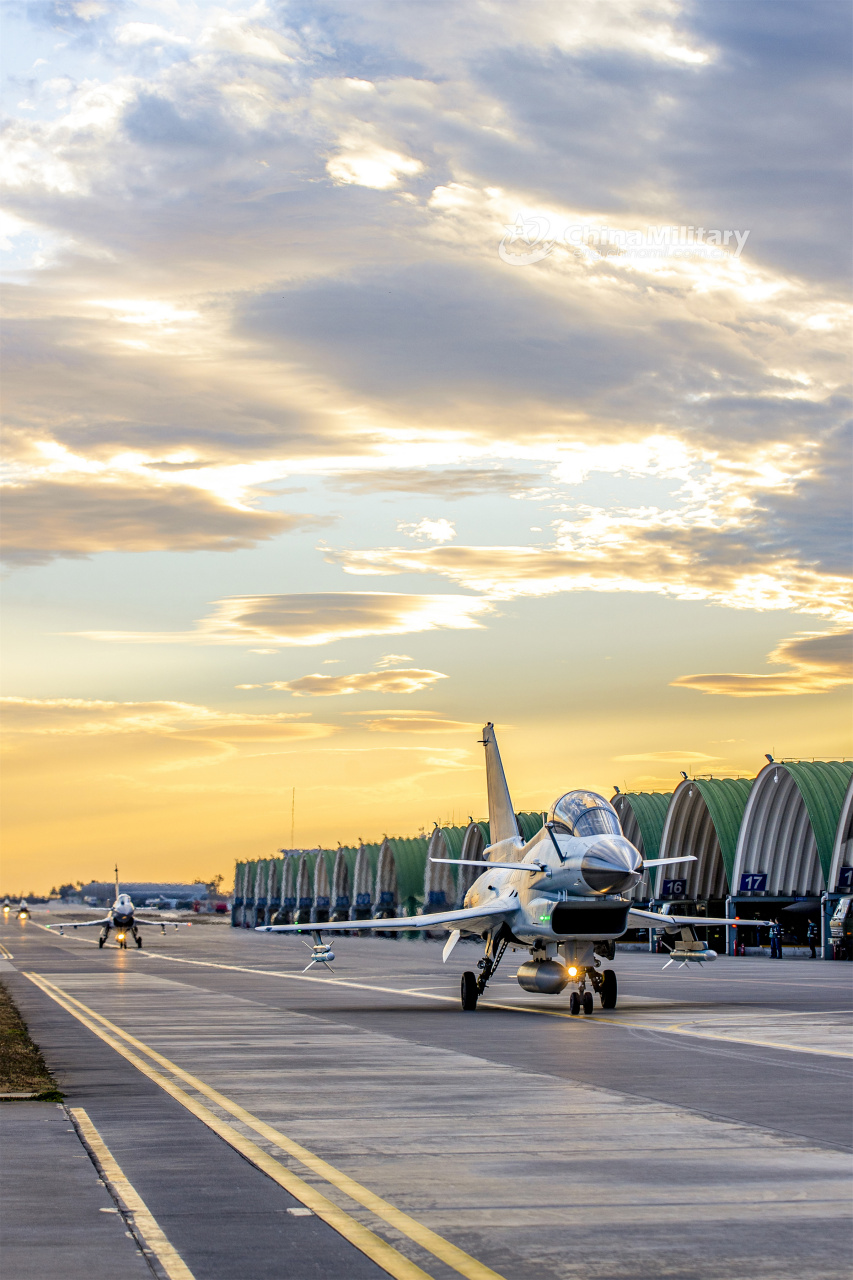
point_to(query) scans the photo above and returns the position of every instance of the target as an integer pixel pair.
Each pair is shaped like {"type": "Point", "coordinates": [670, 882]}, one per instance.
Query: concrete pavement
{"type": "Point", "coordinates": [693, 1134]}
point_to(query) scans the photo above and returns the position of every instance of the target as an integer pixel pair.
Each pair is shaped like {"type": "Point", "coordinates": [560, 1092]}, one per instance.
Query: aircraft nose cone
{"type": "Point", "coordinates": [611, 865]}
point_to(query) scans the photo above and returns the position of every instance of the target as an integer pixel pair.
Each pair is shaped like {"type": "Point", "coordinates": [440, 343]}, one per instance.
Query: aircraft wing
{"type": "Point", "coordinates": [638, 919]}
{"type": "Point", "coordinates": [176, 924]}
{"type": "Point", "coordinates": [80, 924]}
{"type": "Point", "coordinates": [472, 919]}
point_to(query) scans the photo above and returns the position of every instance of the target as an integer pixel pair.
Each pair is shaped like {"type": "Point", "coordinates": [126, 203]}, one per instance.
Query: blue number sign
{"type": "Point", "coordinates": [753, 882]}
{"type": "Point", "coordinates": [845, 877]}
{"type": "Point", "coordinates": [674, 888]}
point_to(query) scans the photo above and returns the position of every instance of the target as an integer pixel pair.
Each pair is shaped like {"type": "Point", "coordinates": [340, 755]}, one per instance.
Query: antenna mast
{"type": "Point", "coordinates": [292, 817]}
{"type": "Point", "coordinates": [116, 869]}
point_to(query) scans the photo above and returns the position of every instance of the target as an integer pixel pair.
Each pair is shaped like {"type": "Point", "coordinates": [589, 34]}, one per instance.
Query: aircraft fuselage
{"type": "Point", "coordinates": [576, 894]}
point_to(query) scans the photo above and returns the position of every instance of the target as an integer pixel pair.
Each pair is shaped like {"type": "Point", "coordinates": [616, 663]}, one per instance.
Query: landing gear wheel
{"type": "Point", "coordinates": [574, 1004]}
{"type": "Point", "coordinates": [587, 1002]}
{"type": "Point", "coordinates": [139, 943]}
{"type": "Point", "coordinates": [469, 991]}
{"type": "Point", "coordinates": [101, 941]}
{"type": "Point", "coordinates": [607, 990]}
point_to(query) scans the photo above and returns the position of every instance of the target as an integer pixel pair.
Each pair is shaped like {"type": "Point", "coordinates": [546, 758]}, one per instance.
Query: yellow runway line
{"type": "Point", "coordinates": [144, 1221]}
{"type": "Point", "coordinates": [5, 952]}
{"type": "Point", "coordinates": [421, 1235]}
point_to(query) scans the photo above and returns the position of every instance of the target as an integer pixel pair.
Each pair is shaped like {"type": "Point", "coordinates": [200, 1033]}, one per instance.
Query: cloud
{"type": "Point", "coordinates": [427, 530]}
{"type": "Point", "coordinates": [407, 680]}
{"type": "Point", "coordinates": [53, 518]}
{"type": "Point", "coordinates": [414, 722]}
{"type": "Point", "coordinates": [389, 659]}
{"type": "Point", "coordinates": [83, 718]}
{"type": "Point", "coordinates": [319, 618]}
{"type": "Point", "coordinates": [667, 757]}
{"type": "Point", "coordinates": [644, 550]}
{"type": "Point", "coordinates": [818, 662]}
{"type": "Point", "coordinates": [448, 483]}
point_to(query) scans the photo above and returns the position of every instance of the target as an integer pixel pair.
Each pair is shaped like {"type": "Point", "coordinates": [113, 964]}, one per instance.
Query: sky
{"type": "Point", "coordinates": [377, 369]}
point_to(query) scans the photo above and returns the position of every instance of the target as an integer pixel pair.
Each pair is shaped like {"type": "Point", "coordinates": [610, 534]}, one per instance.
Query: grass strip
{"type": "Point", "coordinates": [22, 1067]}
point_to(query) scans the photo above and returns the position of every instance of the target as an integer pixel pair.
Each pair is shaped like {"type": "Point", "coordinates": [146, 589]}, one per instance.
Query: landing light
{"type": "Point", "coordinates": [573, 973]}
{"type": "Point", "coordinates": [120, 937]}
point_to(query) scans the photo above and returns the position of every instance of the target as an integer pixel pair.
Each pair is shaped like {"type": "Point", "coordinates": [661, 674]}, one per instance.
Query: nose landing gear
{"type": "Point", "coordinates": [602, 983]}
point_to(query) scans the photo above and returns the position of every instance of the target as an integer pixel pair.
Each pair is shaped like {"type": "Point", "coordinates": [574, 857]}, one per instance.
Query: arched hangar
{"type": "Point", "coordinates": [789, 828]}
{"type": "Point", "coordinates": [702, 820]}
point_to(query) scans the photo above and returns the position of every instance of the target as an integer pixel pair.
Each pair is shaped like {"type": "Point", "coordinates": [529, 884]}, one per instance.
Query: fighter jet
{"type": "Point", "coordinates": [23, 912]}
{"type": "Point", "coordinates": [7, 906]}
{"type": "Point", "coordinates": [560, 896]}
{"type": "Point", "coordinates": [122, 917]}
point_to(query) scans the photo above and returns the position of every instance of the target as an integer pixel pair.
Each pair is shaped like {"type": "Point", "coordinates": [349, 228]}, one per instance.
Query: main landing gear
{"type": "Point", "coordinates": [473, 986]}
{"type": "Point", "coordinates": [469, 991]}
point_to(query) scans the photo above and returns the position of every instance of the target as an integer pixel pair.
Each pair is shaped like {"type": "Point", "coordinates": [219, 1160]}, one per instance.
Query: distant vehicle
{"type": "Point", "coordinates": [841, 929]}
{"type": "Point", "coordinates": [221, 908]}
{"type": "Point", "coordinates": [561, 896]}
{"type": "Point", "coordinates": [122, 918]}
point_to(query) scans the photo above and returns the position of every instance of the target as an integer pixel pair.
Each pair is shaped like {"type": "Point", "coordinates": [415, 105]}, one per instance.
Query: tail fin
{"type": "Point", "coordinates": [502, 820]}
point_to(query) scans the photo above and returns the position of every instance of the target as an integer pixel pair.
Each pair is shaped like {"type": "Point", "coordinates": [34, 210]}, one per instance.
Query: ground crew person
{"type": "Point", "coordinates": [775, 941]}
{"type": "Point", "coordinates": [812, 935]}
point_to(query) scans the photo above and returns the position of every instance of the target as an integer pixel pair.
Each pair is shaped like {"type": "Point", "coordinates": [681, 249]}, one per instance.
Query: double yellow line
{"type": "Point", "coordinates": [373, 1246]}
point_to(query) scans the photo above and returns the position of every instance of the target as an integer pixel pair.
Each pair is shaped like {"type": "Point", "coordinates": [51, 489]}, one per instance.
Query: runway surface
{"type": "Point", "coordinates": [701, 1129]}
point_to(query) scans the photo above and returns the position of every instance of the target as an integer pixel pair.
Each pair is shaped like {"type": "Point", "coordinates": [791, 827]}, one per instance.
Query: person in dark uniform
{"type": "Point", "coordinates": [812, 935]}
{"type": "Point", "coordinates": [775, 941]}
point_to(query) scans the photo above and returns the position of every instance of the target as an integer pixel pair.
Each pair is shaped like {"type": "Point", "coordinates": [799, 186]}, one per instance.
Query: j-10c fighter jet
{"type": "Point", "coordinates": [122, 917]}
{"type": "Point", "coordinates": [560, 896]}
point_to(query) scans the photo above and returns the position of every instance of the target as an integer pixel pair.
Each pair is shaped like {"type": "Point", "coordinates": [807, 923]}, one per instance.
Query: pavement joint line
{"type": "Point", "coordinates": [421, 1235]}
{"type": "Point", "coordinates": [696, 979]}
{"type": "Point", "coordinates": [142, 1220]}
{"type": "Point", "coordinates": [674, 1029]}
{"type": "Point", "coordinates": [5, 952]}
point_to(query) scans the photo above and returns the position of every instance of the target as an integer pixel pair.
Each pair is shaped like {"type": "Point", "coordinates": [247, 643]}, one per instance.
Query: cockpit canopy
{"type": "Point", "coordinates": [583, 813]}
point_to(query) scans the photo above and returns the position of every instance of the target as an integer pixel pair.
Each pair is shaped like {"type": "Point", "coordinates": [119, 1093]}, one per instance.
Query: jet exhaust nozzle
{"type": "Point", "coordinates": [544, 976]}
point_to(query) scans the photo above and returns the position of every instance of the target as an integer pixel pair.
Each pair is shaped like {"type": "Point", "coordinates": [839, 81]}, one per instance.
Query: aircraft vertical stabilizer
{"type": "Point", "coordinates": [502, 820]}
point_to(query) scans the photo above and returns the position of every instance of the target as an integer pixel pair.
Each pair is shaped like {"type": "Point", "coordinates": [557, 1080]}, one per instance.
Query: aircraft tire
{"type": "Point", "coordinates": [587, 1002]}
{"type": "Point", "coordinates": [101, 941]}
{"type": "Point", "coordinates": [574, 1004]}
{"type": "Point", "coordinates": [608, 989]}
{"type": "Point", "coordinates": [469, 991]}
{"type": "Point", "coordinates": [139, 943]}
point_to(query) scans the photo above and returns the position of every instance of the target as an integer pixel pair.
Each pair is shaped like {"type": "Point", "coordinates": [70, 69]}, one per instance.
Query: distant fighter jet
{"type": "Point", "coordinates": [7, 906]}
{"type": "Point", "coordinates": [559, 896]}
{"type": "Point", "coordinates": [123, 919]}
{"type": "Point", "coordinates": [24, 910]}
